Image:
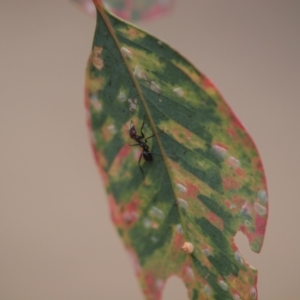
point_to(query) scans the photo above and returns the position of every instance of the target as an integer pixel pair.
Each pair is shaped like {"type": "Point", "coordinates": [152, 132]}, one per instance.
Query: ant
{"type": "Point", "coordinates": [142, 142]}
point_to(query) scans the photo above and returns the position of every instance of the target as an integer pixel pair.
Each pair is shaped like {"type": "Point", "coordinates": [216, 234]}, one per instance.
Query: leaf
{"type": "Point", "coordinates": [206, 180]}
{"type": "Point", "coordinates": [129, 10]}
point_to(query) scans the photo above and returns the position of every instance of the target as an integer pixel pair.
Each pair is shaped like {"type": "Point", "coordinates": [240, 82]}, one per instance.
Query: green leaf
{"type": "Point", "coordinates": [206, 180]}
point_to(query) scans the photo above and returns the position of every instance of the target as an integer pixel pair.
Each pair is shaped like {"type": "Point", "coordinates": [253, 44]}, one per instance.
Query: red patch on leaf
{"type": "Point", "coordinates": [215, 220]}
{"type": "Point", "coordinates": [232, 132]}
{"type": "Point", "coordinates": [240, 172]}
{"type": "Point", "coordinates": [178, 240]}
{"type": "Point", "coordinates": [208, 83]}
{"type": "Point", "coordinates": [186, 272]}
{"type": "Point", "coordinates": [124, 152]}
{"type": "Point", "coordinates": [192, 190]}
{"type": "Point", "coordinates": [257, 164]}
{"type": "Point", "coordinates": [120, 159]}
{"type": "Point", "coordinates": [103, 174]}
{"type": "Point", "coordinates": [124, 215]}
{"type": "Point", "coordinates": [223, 108]}
{"type": "Point", "coordinates": [260, 224]}
{"type": "Point", "coordinates": [247, 142]}
{"type": "Point", "coordinates": [230, 183]}
{"type": "Point", "coordinates": [243, 228]}
{"type": "Point", "coordinates": [227, 203]}
{"type": "Point", "coordinates": [106, 133]}
{"type": "Point", "coordinates": [154, 287]}
{"type": "Point", "coordinates": [130, 211]}
{"type": "Point", "coordinates": [135, 261]}
{"type": "Point", "coordinates": [238, 201]}
{"type": "Point", "coordinates": [237, 123]}
{"type": "Point", "coordinates": [233, 246]}
{"type": "Point", "coordinates": [114, 210]}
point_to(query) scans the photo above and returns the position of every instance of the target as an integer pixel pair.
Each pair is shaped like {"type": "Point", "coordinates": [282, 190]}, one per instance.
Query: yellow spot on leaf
{"type": "Point", "coordinates": [96, 59]}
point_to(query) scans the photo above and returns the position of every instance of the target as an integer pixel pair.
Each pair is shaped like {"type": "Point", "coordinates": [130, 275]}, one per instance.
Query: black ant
{"type": "Point", "coordinates": [143, 144]}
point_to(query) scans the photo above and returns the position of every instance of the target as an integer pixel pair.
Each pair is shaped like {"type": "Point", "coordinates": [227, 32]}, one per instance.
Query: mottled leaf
{"type": "Point", "coordinates": [206, 180]}
{"type": "Point", "coordinates": [129, 9]}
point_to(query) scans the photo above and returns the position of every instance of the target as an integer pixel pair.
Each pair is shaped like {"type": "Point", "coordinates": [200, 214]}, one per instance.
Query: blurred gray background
{"type": "Point", "coordinates": [56, 238]}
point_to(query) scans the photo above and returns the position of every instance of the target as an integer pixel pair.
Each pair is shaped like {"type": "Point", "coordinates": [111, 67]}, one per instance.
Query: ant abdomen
{"type": "Point", "coordinates": [147, 156]}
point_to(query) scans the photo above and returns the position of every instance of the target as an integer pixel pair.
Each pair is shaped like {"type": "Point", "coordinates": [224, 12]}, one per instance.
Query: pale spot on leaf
{"type": "Point", "coordinates": [179, 92]}
{"type": "Point", "coordinates": [253, 292]}
{"type": "Point", "coordinates": [206, 252]}
{"type": "Point", "coordinates": [262, 196]}
{"type": "Point", "coordinates": [233, 162]}
{"type": "Point", "coordinates": [139, 72]}
{"type": "Point", "coordinates": [247, 223]}
{"type": "Point", "coordinates": [261, 210]}
{"type": "Point", "coordinates": [179, 228]}
{"type": "Point", "coordinates": [207, 290]}
{"type": "Point", "coordinates": [236, 297]}
{"type": "Point", "coordinates": [182, 203]}
{"type": "Point", "coordinates": [96, 104]}
{"type": "Point", "coordinates": [246, 209]}
{"type": "Point", "coordinates": [189, 273]}
{"type": "Point", "coordinates": [154, 239]}
{"type": "Point", "coordinates": [96, 59]}
{"type": "Point", "coordinates": [223, 285]}
{"type": "Point", "coordinates": [155, 87]}
{"type": "Point", "coordinates": [220, 151]}
{"type": "Point", "coordinates": [238, 257]}
{"type": "Point", "coordinates": [132, 104]}
{"type": "Point", "coordinates": [127, 53]}
{"type": "Point", "coordinates": [181, 188]}
{"type": "Point", "coordinates": [156, 213]}
{"type": "Point", "coordinates": [122, 96]}
{"type": "Point", "coordinates": [147, 222]}
{"type": "Point", "coordinates": [112, 129]}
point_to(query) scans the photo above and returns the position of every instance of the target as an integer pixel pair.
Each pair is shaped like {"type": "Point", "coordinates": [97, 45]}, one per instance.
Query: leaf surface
{"type": "Point", "coordinates": [206, 180]}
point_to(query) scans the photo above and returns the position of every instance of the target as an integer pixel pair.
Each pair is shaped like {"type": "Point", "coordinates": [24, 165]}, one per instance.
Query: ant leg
{"type": "Point", "coordinates": [162, 155]}
{"type": "Point", "coordinates": [143, 122]}
{"type": "Point", "coordinates": [134, 145]}
{"type": "Point", "coordinates": [143, 127]}
{"type": "Point", "coordinates": [151, 136]}
{"type": "Point", "coordinates": [140, 165]}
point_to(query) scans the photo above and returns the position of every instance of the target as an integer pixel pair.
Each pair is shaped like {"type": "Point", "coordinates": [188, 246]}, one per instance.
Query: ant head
{"type": "Point", "coordinates": [132, 132]}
